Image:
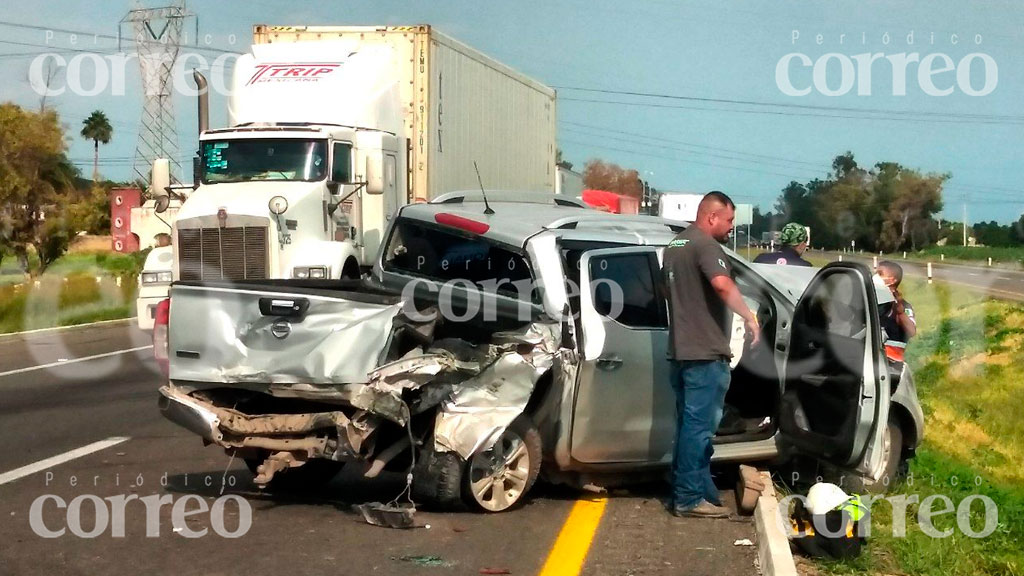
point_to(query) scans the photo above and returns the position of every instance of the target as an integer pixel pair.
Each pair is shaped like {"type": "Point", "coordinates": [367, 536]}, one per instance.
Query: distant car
{"type": "Point", "coordinates": [568, 377]}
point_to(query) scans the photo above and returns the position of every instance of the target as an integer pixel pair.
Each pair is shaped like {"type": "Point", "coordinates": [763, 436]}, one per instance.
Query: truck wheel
{"type": "Point", "coordinates": [892, 446]}
{"type": "Point", "coordinates": [499, 478]}
{"type": "Point", "coordinates": [313, 474]}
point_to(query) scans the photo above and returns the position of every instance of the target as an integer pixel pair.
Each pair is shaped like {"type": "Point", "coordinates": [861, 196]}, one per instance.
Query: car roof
{"type": "Point", "coordinates": [515, 222]}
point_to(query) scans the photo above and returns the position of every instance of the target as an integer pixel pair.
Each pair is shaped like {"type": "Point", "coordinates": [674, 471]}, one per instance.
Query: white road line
{"type": "Point", "coordinates": [72, 361]}
{"type": "Point", "coordinates": [61, 458]}
{"type": "Point", "coordinates": [64, 328]}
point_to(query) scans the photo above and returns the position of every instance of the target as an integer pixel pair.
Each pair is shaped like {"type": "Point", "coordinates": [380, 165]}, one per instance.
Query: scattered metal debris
{"type": "Point", "coordinates": [387, 515]}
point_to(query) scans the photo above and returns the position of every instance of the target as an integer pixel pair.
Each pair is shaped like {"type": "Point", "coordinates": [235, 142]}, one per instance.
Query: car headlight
{"type": "Point", "coordinates": [157, 277]}
{"type": "Point", "coordinates": [312, 272]}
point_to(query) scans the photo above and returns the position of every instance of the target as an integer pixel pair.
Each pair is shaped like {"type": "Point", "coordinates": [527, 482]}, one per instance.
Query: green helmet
{"type": "Point", "coordinates": [793, 234]}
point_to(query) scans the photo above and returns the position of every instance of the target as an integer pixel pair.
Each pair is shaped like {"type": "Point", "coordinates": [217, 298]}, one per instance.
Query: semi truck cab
{"type": "Point", "coordinates": [286, 201]}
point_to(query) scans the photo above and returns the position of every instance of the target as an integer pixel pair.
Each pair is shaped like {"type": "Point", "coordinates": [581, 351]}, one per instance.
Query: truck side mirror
{"type": "Point", "coordinates": [160, 180]}
{"type": "Point", "coordinates": [374, 175]}
{"type": "Point", "coordinates": [197, 171]}
{"type": "Point", "coordinates": [162, 203]}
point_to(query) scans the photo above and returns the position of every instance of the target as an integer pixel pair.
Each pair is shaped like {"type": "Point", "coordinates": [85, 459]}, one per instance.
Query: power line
{"type": "Point", "coordinates": [12, 42]}
{"type": "Point", "coordinates": [602, 130]}
{"type": "Point", "coordinates": [776, 113]}
{"type": "Point", "coordinates": [50, 49]}
{"type": "Point", "coordinates": [989, 191]}
{"type": "Point", "coordinates": [791, 105]}
{"type": "Point", "coordinates": [678, 159]}
{"type": "Point", "coordinates": [669, 147]}
{"type": "Point", "coordinates": [105, 36]}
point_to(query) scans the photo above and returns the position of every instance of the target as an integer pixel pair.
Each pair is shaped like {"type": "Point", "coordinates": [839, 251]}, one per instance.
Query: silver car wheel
{"type": "Point", "coordinates": [499, 475]}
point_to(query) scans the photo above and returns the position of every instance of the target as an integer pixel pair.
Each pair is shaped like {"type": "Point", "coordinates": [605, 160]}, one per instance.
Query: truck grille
{"type": "Point", "coordinates": [223, 253]}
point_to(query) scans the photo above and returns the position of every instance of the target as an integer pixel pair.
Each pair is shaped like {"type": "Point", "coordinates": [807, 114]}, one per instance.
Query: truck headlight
{"type": "Point", "coordinates": [312, 272]}
{"type": "Point", "coordinates": [157, 277]}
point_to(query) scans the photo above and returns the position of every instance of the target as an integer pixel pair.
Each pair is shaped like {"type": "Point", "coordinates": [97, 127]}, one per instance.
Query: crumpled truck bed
{"type": "Point", "coordinates": [364, 357]}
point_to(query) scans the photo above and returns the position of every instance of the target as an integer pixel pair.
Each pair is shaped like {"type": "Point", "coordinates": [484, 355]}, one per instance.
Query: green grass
{"type": "Point", "coordinates": [69, 294]}
{"type": "Point", "coordinates": [1011, 256]}
{"type": "Point", "coordinates": [965, 362]}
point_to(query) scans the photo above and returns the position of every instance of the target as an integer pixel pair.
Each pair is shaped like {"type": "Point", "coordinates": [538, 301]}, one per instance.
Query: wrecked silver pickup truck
{"type": "Point", "coordinates": [486, 349]}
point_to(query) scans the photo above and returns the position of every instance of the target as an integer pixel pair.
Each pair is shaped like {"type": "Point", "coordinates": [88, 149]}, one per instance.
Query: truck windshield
{"type": "Point", "coordinates": [263, 159]}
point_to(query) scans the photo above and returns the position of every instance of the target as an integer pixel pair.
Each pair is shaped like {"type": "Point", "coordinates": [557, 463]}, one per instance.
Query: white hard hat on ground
{"type": "Point", "coordinates": [823, 497]}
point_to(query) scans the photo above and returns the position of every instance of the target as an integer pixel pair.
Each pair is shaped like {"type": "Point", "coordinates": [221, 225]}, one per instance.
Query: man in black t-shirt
{"type": "Point", "coordinates": [701, 293]}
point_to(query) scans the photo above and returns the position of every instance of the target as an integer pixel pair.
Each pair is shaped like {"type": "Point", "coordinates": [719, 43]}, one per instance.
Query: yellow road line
{"type": "Point", "coordinates": [570, 549]}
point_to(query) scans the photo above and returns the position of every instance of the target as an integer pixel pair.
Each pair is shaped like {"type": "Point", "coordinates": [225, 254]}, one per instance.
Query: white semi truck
{"type": "Point", "coordinates": [333, 128]}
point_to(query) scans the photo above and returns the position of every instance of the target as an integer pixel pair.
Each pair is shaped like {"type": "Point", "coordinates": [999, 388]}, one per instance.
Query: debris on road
{"type": "Point", "coordinates": [386, 515]}
{"type": "Point", "coordinates": [743, 542]}
{"type": "Point", "coordinates": [436, 561]}
{"type": "Point", "coordinates": [748, 489]}
{"type": "Point", "coordinates": [495, 571]}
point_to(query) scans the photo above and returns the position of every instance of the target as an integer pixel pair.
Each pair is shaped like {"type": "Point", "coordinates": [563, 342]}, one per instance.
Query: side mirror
{"type": "Point", "coordinates": [162, 203]}
{"type": "Point", "coordinates": [160, 180]}
{"type": "Point", "coordinates": [197, 171]}
{"type": "Point", "coordinates": [374, 175]}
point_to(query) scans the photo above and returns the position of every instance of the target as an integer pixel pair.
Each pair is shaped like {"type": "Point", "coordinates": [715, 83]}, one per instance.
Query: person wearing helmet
{"type": "Point", "coordinates": [794, 244]}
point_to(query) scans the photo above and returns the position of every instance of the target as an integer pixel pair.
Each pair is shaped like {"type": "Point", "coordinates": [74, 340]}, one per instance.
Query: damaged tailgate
{"type": "Point", "coordinates": [270, 334]}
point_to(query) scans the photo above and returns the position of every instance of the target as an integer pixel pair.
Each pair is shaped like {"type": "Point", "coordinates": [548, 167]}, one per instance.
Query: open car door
{"type": "Point", "coordinates": [835, 405]}
{"type": "Point", "coordinates": [625, 407]}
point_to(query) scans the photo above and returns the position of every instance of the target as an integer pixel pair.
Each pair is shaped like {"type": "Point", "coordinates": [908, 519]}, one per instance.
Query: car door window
{"type": "Point", "coordinates": [624, 288]}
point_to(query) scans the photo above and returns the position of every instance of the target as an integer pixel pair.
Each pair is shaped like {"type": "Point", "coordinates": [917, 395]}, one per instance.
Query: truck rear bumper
{"type": "Point", "coordinates": [328, 434]}
{"type": "Point", "coordinates": [190, 415]}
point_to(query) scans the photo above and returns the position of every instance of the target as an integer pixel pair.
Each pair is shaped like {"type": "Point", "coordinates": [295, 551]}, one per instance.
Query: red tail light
{"type": "Point", "coordinates": [160, 343]}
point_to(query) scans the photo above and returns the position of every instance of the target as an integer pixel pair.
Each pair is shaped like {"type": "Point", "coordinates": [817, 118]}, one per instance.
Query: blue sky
{"type": "Point", "coordinates": [712, 54]}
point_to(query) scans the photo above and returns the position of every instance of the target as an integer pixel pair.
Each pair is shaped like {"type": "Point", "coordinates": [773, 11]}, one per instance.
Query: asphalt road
{"type": "Point", "coordinates": [996, 283]}
{"type": "Point", "coordinates": [62, 391]}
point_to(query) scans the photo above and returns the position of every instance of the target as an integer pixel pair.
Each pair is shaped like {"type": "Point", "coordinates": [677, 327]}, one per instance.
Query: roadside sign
{"type": "Point", "coordinates": [744, 215]}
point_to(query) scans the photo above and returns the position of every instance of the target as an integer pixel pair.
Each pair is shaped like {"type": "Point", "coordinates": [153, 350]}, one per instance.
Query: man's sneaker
{"type": "Point", "coordinates": [704, 509]}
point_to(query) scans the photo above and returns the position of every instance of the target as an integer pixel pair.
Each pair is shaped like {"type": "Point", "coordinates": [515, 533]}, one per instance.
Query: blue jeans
{"type": "Point", "coordinates": [700, 387]}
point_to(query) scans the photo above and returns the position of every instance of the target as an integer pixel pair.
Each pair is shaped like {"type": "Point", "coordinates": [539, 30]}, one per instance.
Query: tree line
{"type": "Point", "coordinates": [44, 201]}
{"type": "Point", "coordinates": [888, 207]}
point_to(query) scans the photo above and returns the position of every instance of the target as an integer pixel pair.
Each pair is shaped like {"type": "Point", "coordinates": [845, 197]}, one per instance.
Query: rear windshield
{"type": "Point", "coordinates": [444, 254]}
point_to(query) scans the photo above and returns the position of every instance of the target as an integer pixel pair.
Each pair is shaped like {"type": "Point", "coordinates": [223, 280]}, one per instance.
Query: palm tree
{"type": "Point", "coordinates": [96, 128]}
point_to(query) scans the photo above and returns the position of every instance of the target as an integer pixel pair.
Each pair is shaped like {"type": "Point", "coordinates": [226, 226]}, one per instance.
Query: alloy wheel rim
{"type": "Point", "coordinates": [498, 476]}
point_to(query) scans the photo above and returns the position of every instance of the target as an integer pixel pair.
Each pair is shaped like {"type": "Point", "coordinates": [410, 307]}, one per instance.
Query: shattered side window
{"type": "Point", "coordinates": [442, 255]}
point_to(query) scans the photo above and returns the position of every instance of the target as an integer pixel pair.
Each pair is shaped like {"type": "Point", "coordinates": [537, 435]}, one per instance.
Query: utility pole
{"type": "Point", "coordinates": [965, 219]}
